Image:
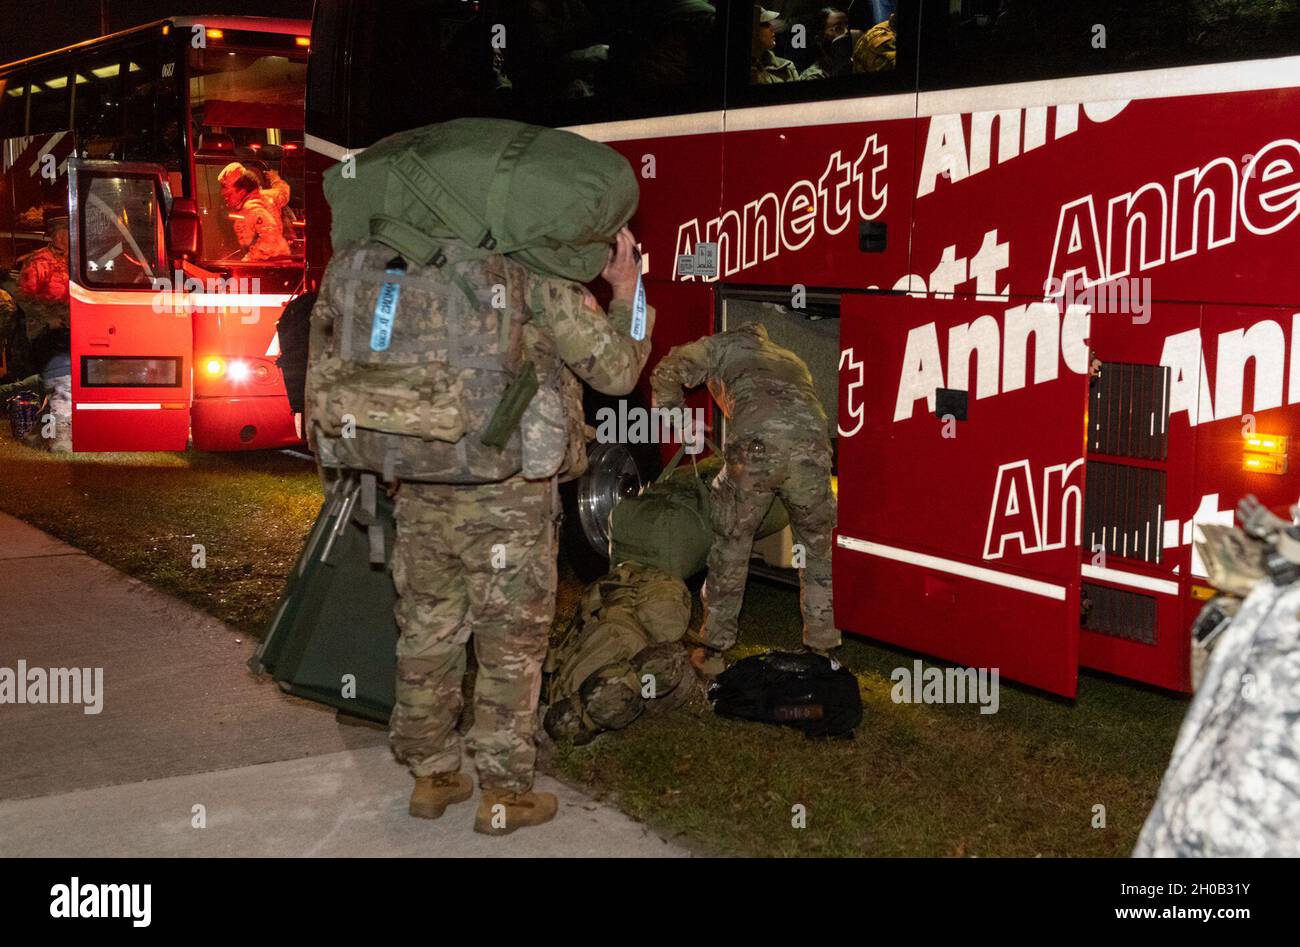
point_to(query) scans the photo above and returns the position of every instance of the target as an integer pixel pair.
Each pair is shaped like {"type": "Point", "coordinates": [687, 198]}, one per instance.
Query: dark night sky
{"type": "Point", "coordinates": [28, 27]}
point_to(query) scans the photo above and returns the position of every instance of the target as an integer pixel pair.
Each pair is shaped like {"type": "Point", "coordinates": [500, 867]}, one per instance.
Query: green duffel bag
{"type": "Point", "coordinates": [552, 200]}
{"type": "Point", "coordinates": [668, 524]}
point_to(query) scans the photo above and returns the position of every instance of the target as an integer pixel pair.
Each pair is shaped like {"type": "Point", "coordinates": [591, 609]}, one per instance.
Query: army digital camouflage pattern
{"type": "Point", "coordinates": [777, 444]}
{"type": "Point", "coordinates": [1232, 788]}
{"type": "Point", "coordinates": [621, 653]}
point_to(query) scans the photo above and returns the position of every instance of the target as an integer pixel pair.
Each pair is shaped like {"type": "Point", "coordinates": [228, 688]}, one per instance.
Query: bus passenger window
{"type": "Point", "coordinates": [49, 103]}
{"type": "Point", "coordinates": [139, 110]}
{"type": "Point", "coordinates": [583, 62]}
{"type": "Point", "coordinates": [822, 42]}
{"type": "Point", "coordinates": [121, 233]}
{"type": "Point", "coordinates": [97, 114]}
{"type": "Point", "coordinates": [13, 108]}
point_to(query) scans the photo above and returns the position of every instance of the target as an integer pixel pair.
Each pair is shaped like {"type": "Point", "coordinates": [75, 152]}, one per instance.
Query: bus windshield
{"type": "Point", "coordinates": [247, 112]}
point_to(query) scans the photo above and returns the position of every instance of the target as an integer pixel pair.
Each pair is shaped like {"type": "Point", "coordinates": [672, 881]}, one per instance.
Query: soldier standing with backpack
{"type": "Point", "coordinates": [450, 340]}
{"type": "Point", "coordinates": [482, 561]}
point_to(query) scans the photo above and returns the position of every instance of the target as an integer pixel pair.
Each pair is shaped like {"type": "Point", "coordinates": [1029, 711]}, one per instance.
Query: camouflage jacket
{"type": "Point", "coordinates": [569, 334]}
{"type": "Point", "coordinates": [260, 229]}
{"type": "Point", "coordinates": [764, 390]}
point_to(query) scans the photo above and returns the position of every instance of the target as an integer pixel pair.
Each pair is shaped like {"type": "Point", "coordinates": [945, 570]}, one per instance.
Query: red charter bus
{"type": "Point", "coordinates": [1040, 258]}
{"type": "Point", "coordinates": [173, 334]}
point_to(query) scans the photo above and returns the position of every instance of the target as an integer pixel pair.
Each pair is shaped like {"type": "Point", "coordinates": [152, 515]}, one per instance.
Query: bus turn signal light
{"type": "Point", "coordinates": [1266, 443]}
{"type": "Point", "coordinates": [1264, 463]}
{"type": "Point", "coordinates": [214, 367]}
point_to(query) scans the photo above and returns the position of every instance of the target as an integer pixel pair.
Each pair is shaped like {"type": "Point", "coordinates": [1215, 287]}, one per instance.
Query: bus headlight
{"type": "Point", "coordinates": [239, 371]}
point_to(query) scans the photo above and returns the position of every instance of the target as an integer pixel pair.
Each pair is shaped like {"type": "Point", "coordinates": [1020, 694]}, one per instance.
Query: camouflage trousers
{"type": "Point", "coordinates": [53, 429]}
{"type": "Point", "coordinates": [473, 562]}
{"type": "Point", "coordinates": [800, 475]}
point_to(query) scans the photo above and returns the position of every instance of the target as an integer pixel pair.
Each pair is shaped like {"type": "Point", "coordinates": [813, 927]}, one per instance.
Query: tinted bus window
{"type": "Point", "coordinates": [416, 62]}
{"type": "Point", "coordinates": [139, 105]}
{"type": "Point", "coordinates": [48, 109]}
{"type": "Point", "coordinates": [13, 107]}
{"type": "Point", "coordinates": [569, 62]}
{"type": "Point", "coordinates": [549, 62]}
{"type": "Point", "coordinates": [97, 109]}
{"type": "Point", "coordinates": [803, 50]}
{"type": "Point", "coordinates": [976, 42]}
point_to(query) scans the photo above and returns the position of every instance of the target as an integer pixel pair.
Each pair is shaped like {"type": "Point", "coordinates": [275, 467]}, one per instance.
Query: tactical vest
{"type": "Point", "coordinates": [424, 376]}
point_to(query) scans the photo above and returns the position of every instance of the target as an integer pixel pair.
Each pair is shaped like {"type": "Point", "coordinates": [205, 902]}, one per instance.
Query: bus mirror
{"type": "Point", "coordinates": [183, 228]}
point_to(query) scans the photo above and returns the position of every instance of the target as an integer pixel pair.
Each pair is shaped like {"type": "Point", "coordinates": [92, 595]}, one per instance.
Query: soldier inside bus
{"type": "Point", "coordinates": [255, 212]}
{"type": "Point", "coordinates": [766, 67]}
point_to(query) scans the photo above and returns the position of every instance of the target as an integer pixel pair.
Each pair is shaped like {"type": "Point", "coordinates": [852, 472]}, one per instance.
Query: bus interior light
{"type": "Point", "coordinates": [1264, 463]}
{"type": "Point", "coordinates": [1266, 443]}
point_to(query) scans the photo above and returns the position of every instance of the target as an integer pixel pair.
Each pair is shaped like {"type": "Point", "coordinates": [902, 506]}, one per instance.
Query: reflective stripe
{"type": "Point", "coordinates": [1131, 579]}
{"type": "Point", "coordinates": [951, 566]}
{"type": "Point", "coordinates": [119, 406]}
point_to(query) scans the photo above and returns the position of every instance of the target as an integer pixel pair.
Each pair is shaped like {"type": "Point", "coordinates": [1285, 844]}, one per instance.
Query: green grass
{"type": "Point", "coordinates": [918, 780]}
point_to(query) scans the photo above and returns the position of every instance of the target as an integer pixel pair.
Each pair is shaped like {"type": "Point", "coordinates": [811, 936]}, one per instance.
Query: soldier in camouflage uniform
{"type": "Point", "coordinates": [777, 443]}
{"type": "Point", "coordinates": [480, 561]}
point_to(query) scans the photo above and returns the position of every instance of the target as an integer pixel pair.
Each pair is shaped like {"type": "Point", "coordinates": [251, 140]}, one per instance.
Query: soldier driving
{"type": "Point", "coordinates": [777, 443]}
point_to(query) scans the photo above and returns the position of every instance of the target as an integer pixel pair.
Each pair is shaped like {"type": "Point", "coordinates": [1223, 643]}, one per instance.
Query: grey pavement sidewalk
{"type": "Point", "coordinates": [185, 723]}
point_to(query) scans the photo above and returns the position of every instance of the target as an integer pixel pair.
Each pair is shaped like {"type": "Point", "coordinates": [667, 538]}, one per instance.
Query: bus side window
{"type": "Point", "coordinates": [588, 61]}
{"type": "Point", "coordinates": [800, 50]}
{"type": "Point", "coordinates": [49, 105]}
{"type": "Point", "coordinates": [97, 109]}
{"type": "Point", "coordinates": [138, 106]}
{"type": "Point", "coordinates": [979, 42]}
{"type": "Point", "coordinates": [13, 107]}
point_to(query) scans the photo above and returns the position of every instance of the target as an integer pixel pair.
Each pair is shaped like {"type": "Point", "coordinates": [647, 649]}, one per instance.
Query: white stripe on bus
{"type": "Point", "coordinates": [1247, 76]}
{"type": "Point", "coordinates": [963, 569]}
{"type": "Point", "coordinates": [119, 406]}
{"type": "Point", "coordinates": [1130, 579]}
{"type": "Point", "coordinates": [242, 301]}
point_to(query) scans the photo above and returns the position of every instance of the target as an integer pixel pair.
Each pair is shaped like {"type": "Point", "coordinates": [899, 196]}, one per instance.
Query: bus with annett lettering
{"type": "Point", "coordinates": [1040, 258]}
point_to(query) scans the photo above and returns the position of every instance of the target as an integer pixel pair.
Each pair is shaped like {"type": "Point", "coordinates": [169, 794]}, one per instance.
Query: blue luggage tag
{"type": "Point", "coordinates": [381, 329]}
{"type": "Point", "coordinates": [638, 311]}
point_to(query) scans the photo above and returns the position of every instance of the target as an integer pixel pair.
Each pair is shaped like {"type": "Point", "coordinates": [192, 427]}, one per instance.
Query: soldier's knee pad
{"type": "Point", "coordinates": [611, 696]}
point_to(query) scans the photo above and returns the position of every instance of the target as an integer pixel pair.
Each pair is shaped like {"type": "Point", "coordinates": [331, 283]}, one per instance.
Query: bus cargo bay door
{"type": "Point", "coordinates": [961, 470]}
{"type": "Point", "coordinates": [131, 345]}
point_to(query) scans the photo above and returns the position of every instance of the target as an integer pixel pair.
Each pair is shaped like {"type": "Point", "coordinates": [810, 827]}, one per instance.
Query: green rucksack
{"type": "Point", "coordinates": [549, 199]}
{"type": "Point", "coordinates": [668, 525]}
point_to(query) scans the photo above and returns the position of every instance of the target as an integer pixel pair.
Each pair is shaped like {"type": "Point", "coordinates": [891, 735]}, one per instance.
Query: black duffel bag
{"type": "Point", "coordinates": [805, 691]}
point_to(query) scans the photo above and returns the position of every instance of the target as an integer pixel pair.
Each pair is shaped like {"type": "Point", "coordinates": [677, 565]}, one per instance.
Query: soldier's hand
{"type": "Point", "coordinates": [623, 267]}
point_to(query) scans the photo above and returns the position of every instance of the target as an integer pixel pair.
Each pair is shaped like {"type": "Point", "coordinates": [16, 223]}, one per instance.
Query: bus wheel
{"type": "Point", "coordinates": [614, 471]}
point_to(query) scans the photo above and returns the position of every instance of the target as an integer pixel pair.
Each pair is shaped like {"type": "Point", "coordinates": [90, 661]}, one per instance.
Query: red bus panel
{"type": "Point", "coordinates": [955, 536]}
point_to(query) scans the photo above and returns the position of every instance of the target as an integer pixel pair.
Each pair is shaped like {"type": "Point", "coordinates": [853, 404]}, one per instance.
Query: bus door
{"type": "Point", "coordinates": [131, 343]}
{"type": "Point", "coordinates": [961, 477]}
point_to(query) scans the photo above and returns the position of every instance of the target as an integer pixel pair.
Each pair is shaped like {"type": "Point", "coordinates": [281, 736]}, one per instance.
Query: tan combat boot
{"type": "Point", "coordinates": [707, 663]}
{"type": "Point", "coordinates": [433, 794]}
{"type": "Point", "coordinates": [501, 812]}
